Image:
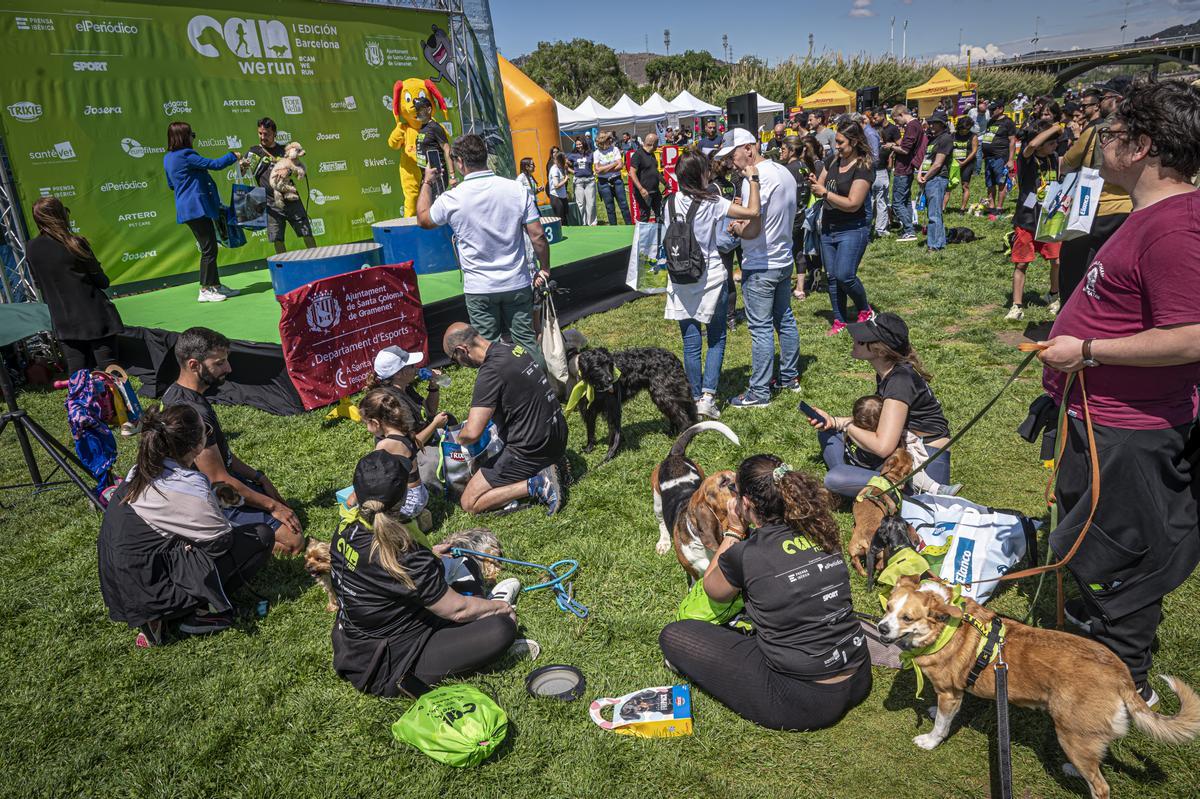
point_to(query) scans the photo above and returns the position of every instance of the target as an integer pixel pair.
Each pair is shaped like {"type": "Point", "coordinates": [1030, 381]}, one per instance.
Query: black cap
{"type": "Point", "coordinates": [380, 476]}
{"type": "Point", "coordinates": [939, 116]}
{"type": "Point", "coordinates": [996, 106]}
{"type": "Point", "coordinates": [885, 327]}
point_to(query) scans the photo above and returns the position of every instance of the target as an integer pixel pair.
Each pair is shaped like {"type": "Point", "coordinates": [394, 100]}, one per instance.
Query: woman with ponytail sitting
{"type": "Point", "coordinates": [168, 557]}
{"type": "Point", "coordinates": [400, 627]}
{"type": "Point", "coordinates": [807, 664]}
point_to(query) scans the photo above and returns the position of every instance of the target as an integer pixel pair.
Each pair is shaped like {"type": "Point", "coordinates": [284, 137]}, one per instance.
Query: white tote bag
{"type": "Point", "coordinates": [554, 347]}
{"type": "Point", "coordinates": [1083, 204]}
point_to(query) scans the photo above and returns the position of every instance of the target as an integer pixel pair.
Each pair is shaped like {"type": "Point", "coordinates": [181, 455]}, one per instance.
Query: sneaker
{"type": "Point", "coordinates": [131, 429]}
{"type": "Point", "coordinates": [867, 315]}
{"type": "Point", "coordinates": [793, 386]}
{"type": "Point", "coordinates": [748, 400]}
{"type": "Point", "coordinates": [228, 292]}
{"type": "Point", "coordinates": [1076, 613]}
{"type": "Point", "coordinates": [1015, 314]}
{"type": "Point", "coordinates": [507, 590]}
{"type": "Point", "coordinates": [908, 237]}
{"type": "Point", "coordinates": [544, 487]}
{"type": "Point", "coordinates": [1053, 303]}
{"type": "Point", "coordinates": [837, 327]}
{"type": "Point", "coordinates": [670, 667]}
{"type": "Point", "coordinates": [210, 295]}
{"type": "Point", "coordinates": [1147, 692]}
{"type": "Point", "coordinates": [706, 406]}
{"type": "Point", "coordinates": [950, 490]}
{"type": "Point", "coordinates": [884, 234]}
{"type": "Point", "coordinates": [204, 622]}
{"type": "Point", "coordinates": [151, 634]}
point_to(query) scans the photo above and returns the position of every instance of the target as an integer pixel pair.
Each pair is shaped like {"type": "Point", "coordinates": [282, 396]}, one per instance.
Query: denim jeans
{"type": "Point", "coordinates": [610, 189]}
{"type": "Point", "coordinates": [877, 206]}
{"type": "Point", "coordinates": [704, 377]}
{"type": "Point", "coordinates": [767, 294]}
{"type": "Point", "coordinates": [902, 202]}
{"type": "Point", "coordinates": [842, 249]}
{"type": "Point", "coordinates": [935, 193]}
{"type": "Point", "coordinates": [847, 480]}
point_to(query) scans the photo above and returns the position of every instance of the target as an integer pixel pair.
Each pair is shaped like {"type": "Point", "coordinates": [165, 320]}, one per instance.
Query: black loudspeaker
{"type": "Point", "coordinates": [742, 111]}
{"type": "Point", "coordinates": [866, 97]}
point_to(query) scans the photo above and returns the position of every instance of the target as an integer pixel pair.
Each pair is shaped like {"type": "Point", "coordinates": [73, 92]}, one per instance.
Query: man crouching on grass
{"type": "Point", "coordinates": [511, 390]}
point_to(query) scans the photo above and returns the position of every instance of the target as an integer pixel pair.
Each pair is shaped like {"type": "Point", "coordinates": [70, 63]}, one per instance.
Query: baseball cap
{"type": "Point", "coordinates": [391, 360]}
{"type": "Point", "coordinates": [734, 138]}
{"type": "Point", "coordinates": [380, 476]}
{"type": "Point", "coordinates": [996, 106]}
{"type": "Point", "coordinates": [886, 327]}
{"type": "Point", "coordinates": [939, 116]}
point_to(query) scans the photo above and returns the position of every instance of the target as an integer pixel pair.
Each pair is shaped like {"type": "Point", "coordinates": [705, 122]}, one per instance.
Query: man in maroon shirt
{"type": "Point", "coordinates": [1133, 329]}
{"type": "Point", "coordinates": [909, 152]}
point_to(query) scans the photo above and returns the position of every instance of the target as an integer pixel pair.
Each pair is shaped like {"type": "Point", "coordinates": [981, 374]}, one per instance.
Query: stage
{"type": "Point", "coordinates": [589, 262]}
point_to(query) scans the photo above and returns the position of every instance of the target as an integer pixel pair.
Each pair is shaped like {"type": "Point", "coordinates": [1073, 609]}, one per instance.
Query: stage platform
{"type": "Point", "coordinates": [589, 262]}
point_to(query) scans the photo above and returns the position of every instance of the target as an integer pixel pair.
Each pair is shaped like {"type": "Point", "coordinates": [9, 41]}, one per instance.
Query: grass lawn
{"type": "Point", "coordinates": [258, 711]}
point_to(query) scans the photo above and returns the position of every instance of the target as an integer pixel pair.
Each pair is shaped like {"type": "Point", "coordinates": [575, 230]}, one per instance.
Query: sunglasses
{"type": "Point", "coordinates": [1108, 134]}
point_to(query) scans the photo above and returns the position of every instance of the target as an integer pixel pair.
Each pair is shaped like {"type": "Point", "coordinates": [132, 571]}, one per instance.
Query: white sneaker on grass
{"type": "Point", "coordinates": [507, 589]}
{"type": "Point", "coordinates": [1054, 303]}
{"type": "Point", "coordinates": [1015, 314]}
{"type": "Point", "coordinates": [210, 295]}
{"type": "Point", "coordinates": [706, 406]}
{"type": "Point", "coordinates": [908, 237]}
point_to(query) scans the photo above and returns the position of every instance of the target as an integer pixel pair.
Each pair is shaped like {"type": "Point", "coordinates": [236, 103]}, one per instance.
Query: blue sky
{"type": "Point", "coordinates": [781, 29]}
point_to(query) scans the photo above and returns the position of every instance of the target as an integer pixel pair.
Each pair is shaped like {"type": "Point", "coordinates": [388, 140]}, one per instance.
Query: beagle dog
{"type": "Point", "coordinates": [690, 507]}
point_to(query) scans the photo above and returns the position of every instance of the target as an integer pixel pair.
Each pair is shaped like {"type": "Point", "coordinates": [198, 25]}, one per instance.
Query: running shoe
{"type": "Point", "coordinates": [507, 590]}
{"type": "Point", "coordinates": [793, 386]}
{"type": "Point", "coordinates": [908, 237]}
{"type": "Point", "coordinates": [1015, 314]}
{"type": "Point", "coordinates": [706, 406]}
{"type": "Point", "coordinates": [1147, 692]}
{"type": "Point", "coordinates": [210, 295]}
{"type": "Point", "coordinates": [866, 316]}
{"type": "Point", "coordinates": [545, 488]}
{"type": "Point", "coordinates": [837, 327]}
{"type": "Point", "coordinates": [204, 622]}
{"type": "Point", "coordinates": [748, 400]}
{"type": "Point", "coordinates": [1053, 303]}
{"type": "Point", "coordinates": [151, 634]}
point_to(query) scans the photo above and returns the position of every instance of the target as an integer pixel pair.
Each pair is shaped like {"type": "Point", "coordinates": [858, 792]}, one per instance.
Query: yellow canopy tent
{"type": "Point", "coordinates": [831, 95]}
{"type": "Point", "coordinates": [942, 84]}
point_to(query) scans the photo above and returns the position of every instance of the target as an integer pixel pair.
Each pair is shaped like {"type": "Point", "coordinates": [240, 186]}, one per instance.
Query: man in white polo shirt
{"type": "Point", "coordinates": [766, 271]}
{"type": "Point", "coordinates": [489, 215]}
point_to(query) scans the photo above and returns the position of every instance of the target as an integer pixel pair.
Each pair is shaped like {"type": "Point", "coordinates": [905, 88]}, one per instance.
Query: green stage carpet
{"type": "Point", "coordinates": [254, 314]}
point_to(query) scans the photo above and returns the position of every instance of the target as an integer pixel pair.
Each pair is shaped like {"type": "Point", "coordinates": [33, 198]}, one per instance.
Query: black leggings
{"type": "Point", "coordinates": [206, 238]}
{"type": "Point", "coordinates": [93, 354]}
{"type": "Point", "coordinates": [248, 549]}
{"type": "Point", "coordinates": [559, 204]}
{"type": "Point", "coordinates": [732, 668]}
{"type": "Point", "coordinates": [463, 648]}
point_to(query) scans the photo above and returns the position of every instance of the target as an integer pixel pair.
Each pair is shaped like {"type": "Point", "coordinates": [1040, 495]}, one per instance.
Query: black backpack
{"type": "Point", "coordinates": [685, 261]}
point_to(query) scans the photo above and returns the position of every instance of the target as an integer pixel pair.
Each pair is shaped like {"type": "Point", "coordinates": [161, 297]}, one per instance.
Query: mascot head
{"type": "Point", "coordinates": [409, 89]}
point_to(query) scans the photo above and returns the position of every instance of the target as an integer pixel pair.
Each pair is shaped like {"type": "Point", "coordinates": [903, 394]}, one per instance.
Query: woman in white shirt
{"type": "Point", "coordinates": [527, 179]}
{"type": "Point", "coordinates": [556, 180]}
{"type": "Point", "coordinates": [703, 302]}
{"type": "Point", "coordinates": [607, 162]}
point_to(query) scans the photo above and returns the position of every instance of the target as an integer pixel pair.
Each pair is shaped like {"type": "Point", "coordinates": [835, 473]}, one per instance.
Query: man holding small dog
{"type": "Point", "coordinates": [511, 390]}
{"type": "Point", "coordinates": [1132, 332]}
{"type": "Point", "coordinates": [257, 164]}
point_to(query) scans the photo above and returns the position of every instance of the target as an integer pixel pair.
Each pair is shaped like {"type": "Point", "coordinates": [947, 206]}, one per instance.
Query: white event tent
{"type": "Point", "coordinates": [690, 105]}
{"type": "Point", "coordinates": [568, 120]}
{"type": "Point", "coordinates": [657, 104]}
{"type": "Point", "coordinates": [766, 106]}
{"type": "Point", "coordinates": [639, 113]}
{"type": "Point", "coordinates": [601, 117]}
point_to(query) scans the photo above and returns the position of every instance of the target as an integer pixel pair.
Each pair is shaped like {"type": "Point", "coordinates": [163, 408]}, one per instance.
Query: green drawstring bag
{"type": "Point", "coordinates": [456, 724]}
{"type": "Point", "coordinates": [697, 605]}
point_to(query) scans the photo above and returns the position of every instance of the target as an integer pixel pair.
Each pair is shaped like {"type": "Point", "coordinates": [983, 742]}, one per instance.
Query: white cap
{"type": "Point", "coordinates": [391, 360]}
{"type": "Point", "coordinates": [733, 138]}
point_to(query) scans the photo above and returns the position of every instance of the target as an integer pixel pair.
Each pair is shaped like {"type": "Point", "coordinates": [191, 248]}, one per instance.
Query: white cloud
{"type": "Point", "coordinates": [990, 51]}
{"type": "Point", "coordinates": [861, 8]}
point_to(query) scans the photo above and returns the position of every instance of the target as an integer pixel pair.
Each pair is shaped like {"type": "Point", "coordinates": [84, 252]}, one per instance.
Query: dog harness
{"type": "Point", "coordinates": [991, 639]}
{"type": "Point", "coordinates": [582, 391]}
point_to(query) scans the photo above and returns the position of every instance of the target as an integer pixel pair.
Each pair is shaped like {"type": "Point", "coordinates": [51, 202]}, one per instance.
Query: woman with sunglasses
{"type": "Point", "coordinates": [197, 201]}
{"type": "Point", "coordinates": [168, 557]}
{"type": "Point", "coordinates": [607, 161]}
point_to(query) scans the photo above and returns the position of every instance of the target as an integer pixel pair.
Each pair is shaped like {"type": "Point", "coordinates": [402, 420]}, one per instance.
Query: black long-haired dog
{"type": "Point", "coordinates": [642, 368]}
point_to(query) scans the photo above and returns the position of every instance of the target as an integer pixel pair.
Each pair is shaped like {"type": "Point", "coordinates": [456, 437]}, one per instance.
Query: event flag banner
{"type": "Point", "coordinates": [332, 328]}
{"type": "Point", "coordinates": [88, 88]}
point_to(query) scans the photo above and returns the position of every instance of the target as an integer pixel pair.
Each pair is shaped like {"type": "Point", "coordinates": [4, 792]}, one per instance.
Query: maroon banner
{"type": "Point", "coordinates": [332, 328]}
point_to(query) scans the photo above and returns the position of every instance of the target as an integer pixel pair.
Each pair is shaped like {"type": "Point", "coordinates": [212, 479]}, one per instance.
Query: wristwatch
{"type": "Point", "coordinates": [754, 178]}
{"type": "Point", "coordinates": [1088, 360]}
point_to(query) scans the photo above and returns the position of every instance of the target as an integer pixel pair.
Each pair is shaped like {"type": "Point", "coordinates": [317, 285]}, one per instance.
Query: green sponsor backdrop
{"type": "Point", "coordinates": [88, 89]}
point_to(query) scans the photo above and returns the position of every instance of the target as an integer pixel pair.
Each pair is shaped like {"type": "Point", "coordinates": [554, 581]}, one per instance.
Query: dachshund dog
{"type": "Point", "coordinates": [690, 507]}
{"type": "Point", "coordinates": [650, 368]}
{"type": "Point", "coordinates": [871, 507]}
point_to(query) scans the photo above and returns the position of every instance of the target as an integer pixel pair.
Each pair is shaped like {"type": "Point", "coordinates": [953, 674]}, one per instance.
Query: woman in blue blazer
{"type": "Point", "coordinates": [197, 202]}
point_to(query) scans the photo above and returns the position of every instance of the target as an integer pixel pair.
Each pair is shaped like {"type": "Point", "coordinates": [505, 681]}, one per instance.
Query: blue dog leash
{"type": "Point", "coordinates": [563, 596]}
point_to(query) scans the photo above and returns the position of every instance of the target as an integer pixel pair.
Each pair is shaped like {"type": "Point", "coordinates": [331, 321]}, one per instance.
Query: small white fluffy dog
{"type": "Point", "coordinates": [284, 171]}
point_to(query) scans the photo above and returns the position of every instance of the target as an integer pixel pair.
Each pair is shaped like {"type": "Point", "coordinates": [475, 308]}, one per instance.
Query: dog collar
{"type": "Point", "coordinates": [884, 486]}
{"type": "Point", "coordinates": [583, 390]}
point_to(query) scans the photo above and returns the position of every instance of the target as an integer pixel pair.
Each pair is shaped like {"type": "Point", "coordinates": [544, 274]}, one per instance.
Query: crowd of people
{"type": "Point", "coordinates": [170, 552]}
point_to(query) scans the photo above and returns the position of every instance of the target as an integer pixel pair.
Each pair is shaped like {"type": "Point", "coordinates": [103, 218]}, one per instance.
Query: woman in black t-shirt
{"type": "Point", "coordinates": [399, 626]}
{"type": "Point", "coordinates": [908, 405]}
{"type": "Point", "coordinates": [844, 231]}
{"type": "Point", "coordinates": [807, 664]}
{"type": "Point", "coordinates": [966, 153]}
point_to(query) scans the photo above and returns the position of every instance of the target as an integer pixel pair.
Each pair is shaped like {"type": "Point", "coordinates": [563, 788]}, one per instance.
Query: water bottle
{"type": "Point", "coordinates": [425, 373]}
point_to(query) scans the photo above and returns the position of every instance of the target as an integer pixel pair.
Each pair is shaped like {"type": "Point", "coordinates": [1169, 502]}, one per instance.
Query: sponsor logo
{"type": "Point", "coordinates": [830, 595]}
{"type": "Point", "coordinates": [283, 137]}
{"type": "Point", "coordinates": [245, 39]}
{"type": "Point", "coordinates": [320, 198]}
{"type": "Point", "coordinates": [323, 312]}
{"type": "Point", "coordinates": [292, 104]}
{"type": "Point", "coordinates": [34, 23]}
{"type": "Point", "coordinates": [239, 106]}
{"type": "Point", "coordinates": [107, 26]}
{"type": "Point", "coordinates": [63, 151]}
{"type": "Point", "coordinates": [139, 256]}
{"type": "Point", "coordinates": [966, 547]}
{"type": "Point", "coordinates": [233, 142]}
{"type": "Point", "coordinates": [380, 55]}
{"type": "Point", "coordinates": [797, 544]}
{"type": "Point", "coordinates": [138, 218]}
{"type": "Point", "coordinates": [374, 54]}
{"type": "Point", "coordinates": [370, 162]}
{"type": "Point", "coordinates": [174, 108]}
{"type": "Point", "coordinates": [125, 185]}
{"type": "Point", "coordinates": [332, 166]}
{"type": "Point", "coordinates": [90, 66]}
{"type": "Point", "coordinates": [344, 104]}
{"type": "Point", "coordinates": [135, 149]}
{"type": "Point", "coordinates": [382, 188]}
{"type": "Point", "coordinates": [329, 136]}
{"type": "Point", "coordinates": [366, 219]}
{"type": "Point", "coordinates": [369, 133]}
{"type": "Point", "coordinates": [100, 111]}
{"type": "Point", "coordinates": [318, 226]}
{"type": "Point", "coordinates": [25, 111]}
{"type": "Point", "coordinates": [65, 190]}
{"type": "Point", "coordinates": [387, 102]}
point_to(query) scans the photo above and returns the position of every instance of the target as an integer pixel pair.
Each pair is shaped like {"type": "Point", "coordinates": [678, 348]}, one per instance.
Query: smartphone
{"type": "Point", "coordinates": [434, 158]}
{"type": "Point", "coordinates": [810, 413]}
